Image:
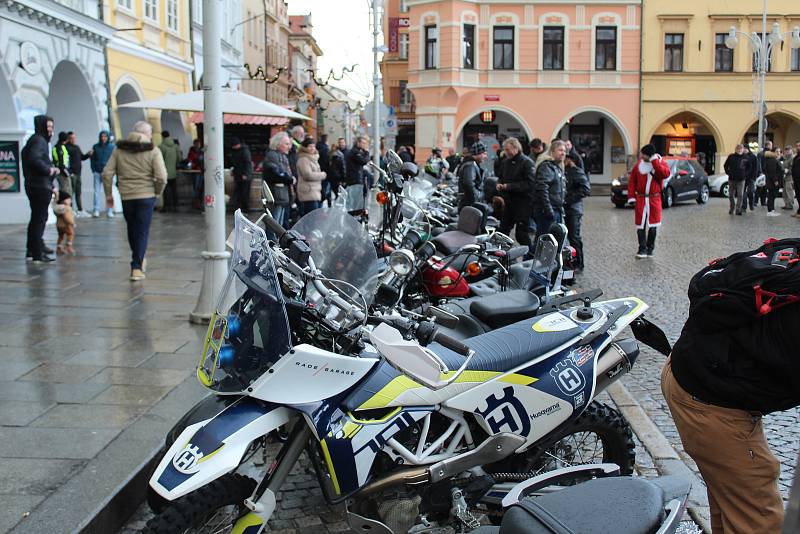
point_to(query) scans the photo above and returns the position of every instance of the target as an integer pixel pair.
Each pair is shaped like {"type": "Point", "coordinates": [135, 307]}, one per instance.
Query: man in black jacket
{"type": "Point", "coordinates": [549, 186]}
{"type": "Point", "coordinates": [470, 175]}
{"type": "Point", "coordinates": [718, 385]}
{"type": "Point", "coordinates": [76, 159]}
{"type": "Point", "coordinates": [355, 175]}
{"type": "Point", "coordinates": [39, 171]}
{"type": "Point", "coordinates": [577, 188]}
{"type": "Point", "coordinates": [516, 185]}
{"type": "Point", "coordinates": [736, 169]}
{"type": "Point", "coordinates": [242, 163]}
{"type": "Point", "coordinates": [795, 170]}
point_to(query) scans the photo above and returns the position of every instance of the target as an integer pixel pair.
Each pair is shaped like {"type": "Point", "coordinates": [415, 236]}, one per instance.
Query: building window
{"type": "Point", "coordinates": [605, 48]}
{"type": "Point", "coordinates": [553, 48]}
{"type": "Point", "coordinates": [431, 41]}
{"type": "Point", "coordinates": [403, 47]}
{"type": "Point", "coordinates": [468, 46]}
{"type": "Point", "coordinates": [503, 48]}
{"type": "Point", "coordinates": [406, 98]}
{"type": "Point", "coordinates": [723, 56]}
{"type": "Point", "coordinates": [769, 62]}
{"type": "Point", "coordinates": [127, 4]}
{"type": "Point", "coordinates": [172, 15]}
{"type": "Point", "coordinates": [151, 9]}
{"type": "Point", "coordinates": [403, 6]}
{"type": "Point", "coordinates": [795, 59]}
{"type": "Point", "coordinates": [673, 52]}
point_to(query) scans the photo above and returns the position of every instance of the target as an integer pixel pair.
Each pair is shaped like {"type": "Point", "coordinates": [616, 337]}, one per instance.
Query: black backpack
{"type": "Point", "coordinates": [738, 290]}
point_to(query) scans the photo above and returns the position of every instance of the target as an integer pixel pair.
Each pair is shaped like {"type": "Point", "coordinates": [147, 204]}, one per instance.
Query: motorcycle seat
{"type": "Point", "coordinates": [470, 223]}
{"type": "Point", "coordinates": [518, 278]}
{"type": "Point", "coordinates": [601, 506]}
{"type": "Point", "coordinates": [504, 308]}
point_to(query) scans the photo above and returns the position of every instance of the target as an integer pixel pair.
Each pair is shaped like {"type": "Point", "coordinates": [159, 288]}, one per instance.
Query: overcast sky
{"type": "Point", "coordinates": [342, 30]}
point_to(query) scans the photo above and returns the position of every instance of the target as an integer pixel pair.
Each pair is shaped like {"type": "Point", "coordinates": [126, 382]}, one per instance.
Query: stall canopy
{"type": "Point", "coordinates": [233, 102]}
{"type": "Point", "coordinates": [230, 118]}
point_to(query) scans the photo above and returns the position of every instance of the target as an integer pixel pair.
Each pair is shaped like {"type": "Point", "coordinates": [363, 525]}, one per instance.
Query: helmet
{"type": "Point", "coordinates": [477, 148]}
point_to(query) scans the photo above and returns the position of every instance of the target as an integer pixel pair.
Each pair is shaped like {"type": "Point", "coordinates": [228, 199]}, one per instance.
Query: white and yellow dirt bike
{"type": "Point", "coordinates": [413, 430]}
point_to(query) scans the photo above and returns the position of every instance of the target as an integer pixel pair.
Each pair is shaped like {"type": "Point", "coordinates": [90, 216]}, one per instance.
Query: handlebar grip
{"type": "Point", "coordinates": [274, 226]}
{"type": "Point", "coordinates": [451, 343]}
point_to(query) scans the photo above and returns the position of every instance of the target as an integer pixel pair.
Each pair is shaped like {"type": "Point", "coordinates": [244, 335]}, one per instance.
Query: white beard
{"type": "Point", "coordinates": [645, 167]}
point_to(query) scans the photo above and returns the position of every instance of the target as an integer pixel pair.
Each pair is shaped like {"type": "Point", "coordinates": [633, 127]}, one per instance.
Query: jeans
{"type": "Point", "coordinates": [138, 214]}
{"type": "Point", "coordinates": [75, 182]}
{"type": "Point", "coordinates": [281, 214]}
{"type": "Point", "coordinates": [308, 206]}
{"type": "Point", "coordinates": [736, 196]}
{"type": "Point", "coordinates": [40, 201]}
{"type": "Point", "coordinates": [544, 222]}
{"type": "Point", "coordinates": [573, 221]}
{"type": "Point", "coordinates": [98, 197]}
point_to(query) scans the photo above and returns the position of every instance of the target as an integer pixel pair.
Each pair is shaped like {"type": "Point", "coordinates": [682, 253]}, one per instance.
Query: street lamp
{"type": "Point", "coordinates": [762, 46]}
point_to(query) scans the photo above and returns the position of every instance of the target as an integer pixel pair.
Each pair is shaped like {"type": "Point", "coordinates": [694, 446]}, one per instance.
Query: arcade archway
{"type": "Point", "coordinates": [782, 129]}
{"type": "Point", "coordinates": [601, 140]}
{"type": "Point", "coordinates": [688, 134]}
{"type": "Point", "coordinates": [128, 116]}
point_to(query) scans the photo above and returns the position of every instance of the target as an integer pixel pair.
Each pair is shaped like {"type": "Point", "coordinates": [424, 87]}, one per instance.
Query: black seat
{"type": "Point", "coordinates": [470, 224]}
{"type": "Point", "coordinates": [518, 278]}
{"type": "Point", "coordinates": [601, 506]}
{"type": "Point", "coordinates": [505, 308]}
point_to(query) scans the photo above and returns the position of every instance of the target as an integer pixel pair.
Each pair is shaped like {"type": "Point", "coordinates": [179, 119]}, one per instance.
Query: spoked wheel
{"type": "Point", "coordinates": [212, 509]}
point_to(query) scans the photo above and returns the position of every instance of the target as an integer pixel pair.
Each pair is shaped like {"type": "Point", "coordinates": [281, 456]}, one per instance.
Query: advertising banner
{"type": "Point", "coordinates": [10, 180]}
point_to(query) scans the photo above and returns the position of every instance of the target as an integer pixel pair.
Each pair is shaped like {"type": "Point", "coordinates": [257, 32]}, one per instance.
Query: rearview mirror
{"type": "Point", "coordinates": [444, 318]}
{"type": "Point", "coordinates": [393, 162]}
{"type": "Point", "coordinates": [266, 195]}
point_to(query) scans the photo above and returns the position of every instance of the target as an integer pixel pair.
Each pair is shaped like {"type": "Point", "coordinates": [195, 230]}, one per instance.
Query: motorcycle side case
{"type": "Point", "coordinates": [208, 449]}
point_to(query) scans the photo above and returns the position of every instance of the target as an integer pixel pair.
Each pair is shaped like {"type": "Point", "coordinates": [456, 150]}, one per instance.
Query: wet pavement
{"type": "Point", "coordinates": [96, 368]}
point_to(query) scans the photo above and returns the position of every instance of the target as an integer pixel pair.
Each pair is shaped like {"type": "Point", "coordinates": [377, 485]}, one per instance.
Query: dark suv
{"type": "Point", "coordinates": [687, 181]}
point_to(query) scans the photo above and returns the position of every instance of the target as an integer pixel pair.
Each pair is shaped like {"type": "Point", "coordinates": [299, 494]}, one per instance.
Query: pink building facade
{"type": "Point", "coordinates": [493, 69]}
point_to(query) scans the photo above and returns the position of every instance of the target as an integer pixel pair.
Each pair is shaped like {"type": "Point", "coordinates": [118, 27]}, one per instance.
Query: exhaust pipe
{"type": "Point", "coordinates": [615, 360]}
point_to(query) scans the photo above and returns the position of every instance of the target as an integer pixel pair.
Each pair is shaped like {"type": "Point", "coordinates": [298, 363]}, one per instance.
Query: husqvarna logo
{"type": "Point", "coordinates": [187, 460]}
{"type": "Point", "coordinates": [568, 377]}
{"type": "Point", "coordinates": [506, 414]}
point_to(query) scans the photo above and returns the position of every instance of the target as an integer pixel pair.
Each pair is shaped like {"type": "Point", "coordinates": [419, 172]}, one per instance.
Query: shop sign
{"type": "Point", "coordinates": [9, 167]}
{"type": "Point", "coordinates": [491, 98]}
{"type": "Point", "coordinates": [395, 23]}
{"type": "Point", "coordinates": [406, 122]}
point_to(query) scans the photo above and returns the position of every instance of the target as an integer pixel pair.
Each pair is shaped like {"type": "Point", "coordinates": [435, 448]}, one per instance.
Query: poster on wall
{"type": "Point", "coordinates": [618, 154]}
{"type": "Point", "coordinates": [9, 167]}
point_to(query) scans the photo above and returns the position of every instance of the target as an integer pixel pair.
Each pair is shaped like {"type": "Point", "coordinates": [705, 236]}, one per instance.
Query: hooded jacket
{"type": "Point", "coordinates": [36, 163]}
{"type": "Point", "coordinates": [139, 167]}
{"type": "Point", "coordinates": [101, 152]}
{"type": "Point", "coordinates": [242, 162]}
{"type": "Point", "coordinates": [549, 187]}
{"type": "Point", "coordinates": [172, 155]}
{"type": "Point", "coordinates": [355, 160]}
{"type": "Point", "coordinates": [517, 174]}
{"type": "Point", "coordinates": [309, 176]}
{"type": "Point", "coordinates": [470, 182]}
{"type": "Point", "coordinates": [578, 187]}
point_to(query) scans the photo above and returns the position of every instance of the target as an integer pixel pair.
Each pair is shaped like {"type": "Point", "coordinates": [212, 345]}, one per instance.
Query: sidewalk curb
{"type": "Point", "coordinates": [667, 460]}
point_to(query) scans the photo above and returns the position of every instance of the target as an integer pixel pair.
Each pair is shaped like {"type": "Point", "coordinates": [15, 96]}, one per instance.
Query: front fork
{"type": "Point", "coordinates": [262, 503]}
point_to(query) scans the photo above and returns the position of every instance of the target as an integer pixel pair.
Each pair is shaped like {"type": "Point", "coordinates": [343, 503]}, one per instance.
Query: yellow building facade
{"type": "Point", "coordinates": [698, 96]}
{"type": "Point", "coordinates": [149, 57]}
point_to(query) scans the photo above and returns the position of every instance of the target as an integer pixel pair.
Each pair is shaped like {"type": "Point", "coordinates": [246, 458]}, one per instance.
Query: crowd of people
{"type": "Point", "coordinates": [527, 193]}
{"type": "Point", "coordinates": [757, 177]}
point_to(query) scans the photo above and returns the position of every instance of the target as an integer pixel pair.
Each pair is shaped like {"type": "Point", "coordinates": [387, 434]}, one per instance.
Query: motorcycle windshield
{"type": "Point", "coordinates": [249, 330]}
{"type": "Point", "coordinates": [544, 259]}
{"type": "Point", "coordinates": [343, 250]}
{"type": "Point", "coordinates": [374, 211]}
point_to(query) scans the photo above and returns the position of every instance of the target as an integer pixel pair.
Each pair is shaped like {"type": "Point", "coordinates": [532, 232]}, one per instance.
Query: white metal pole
{"type": "Point", "coordinates": [376, 84]}
{"type": "Point", "coordinates": [215, 257]}
{"type": "Point", "coordinates": [762, 75]}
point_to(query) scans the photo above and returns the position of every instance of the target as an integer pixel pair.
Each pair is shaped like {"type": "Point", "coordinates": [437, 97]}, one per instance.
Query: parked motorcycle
{"type": "Point", "coordinates": [409, 428]}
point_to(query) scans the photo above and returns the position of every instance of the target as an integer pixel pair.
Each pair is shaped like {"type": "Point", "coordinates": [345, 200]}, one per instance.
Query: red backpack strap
{"type": "Point", "coordinates": [774, 301]}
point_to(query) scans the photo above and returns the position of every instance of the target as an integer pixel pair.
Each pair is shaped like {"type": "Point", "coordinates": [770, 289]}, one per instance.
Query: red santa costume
{"type": "Point", "coordinates": [645, 185]}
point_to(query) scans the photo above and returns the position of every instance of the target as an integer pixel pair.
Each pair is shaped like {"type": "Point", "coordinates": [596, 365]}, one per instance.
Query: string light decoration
{"type": "Point", "coordinates": [331, 75]}
{"type": "Point", "coordinates": [260, 75]}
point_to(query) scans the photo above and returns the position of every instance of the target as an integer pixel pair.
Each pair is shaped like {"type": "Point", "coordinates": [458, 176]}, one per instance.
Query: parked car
{"type": "Point", "coordinates": [719, 184]}
{"type": "Point", "coordinates": [687, 181]}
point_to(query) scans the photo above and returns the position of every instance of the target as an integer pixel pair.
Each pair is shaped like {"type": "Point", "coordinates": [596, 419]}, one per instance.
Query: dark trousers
{"type": "Point", "coordinates": [761, 195]}
{"type": "Point", "coordinates": [308, 206]}
{"type": "Point", "coordinates": [39, 200]}
{"type": "Point", "coordinates": [750, 193]}
{"type": "Point", "coordinates": [573, 222]}
{"type": "Point", "coordinates": [138, 214]}
{"type": "Point", "coordinates": [797, 192]}
{"type": "Point", "coordinates": [171, 195]}
{"type": "Point", "coordinates": [544, 222]}
{"type": "Point", "coordinates": [241, 193]}
{"type": "Point", "coordinates": [772, 194]}
{"type": "Point", "coordinates": [647, 239]}
{"type": "Point", "coordinates": [75, 182]}
{"type": "Point", "coordinates": [519, 221]}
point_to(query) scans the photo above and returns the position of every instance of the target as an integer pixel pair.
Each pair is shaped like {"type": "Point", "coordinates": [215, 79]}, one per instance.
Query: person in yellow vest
{"type": "Point", "coordinates": [60, 159]}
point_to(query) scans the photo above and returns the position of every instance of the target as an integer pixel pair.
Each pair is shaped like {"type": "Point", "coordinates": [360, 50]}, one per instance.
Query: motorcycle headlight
{"type": "Point", "coordinates": [615, 182]}
{"type": "Point", "coordinates": [401, 262]}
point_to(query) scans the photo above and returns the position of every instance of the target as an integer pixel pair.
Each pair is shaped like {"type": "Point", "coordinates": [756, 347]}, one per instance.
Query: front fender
{"type": "Point", "coordinates": [208, 449]}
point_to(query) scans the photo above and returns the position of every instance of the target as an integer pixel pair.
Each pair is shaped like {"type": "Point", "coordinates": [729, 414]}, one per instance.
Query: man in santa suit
{"type": "Point", "coordinates": [645, 185]}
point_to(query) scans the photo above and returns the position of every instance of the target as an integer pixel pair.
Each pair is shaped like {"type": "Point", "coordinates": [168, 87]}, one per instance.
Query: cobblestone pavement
{"type": "Point", "coordinates": [691, 236]}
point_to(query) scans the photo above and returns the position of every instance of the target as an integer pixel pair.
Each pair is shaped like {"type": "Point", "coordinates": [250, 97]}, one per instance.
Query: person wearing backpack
{"type": "Point", "coordinates": [735, 361]}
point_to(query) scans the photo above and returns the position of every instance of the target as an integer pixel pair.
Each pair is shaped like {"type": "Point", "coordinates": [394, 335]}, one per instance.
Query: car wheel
{"type": "Point", "coordinates": [669, 197]}
{"type": "Point", "coordinates": [704, 194]}
{"type": "Point", "coordinates": [725, 189]}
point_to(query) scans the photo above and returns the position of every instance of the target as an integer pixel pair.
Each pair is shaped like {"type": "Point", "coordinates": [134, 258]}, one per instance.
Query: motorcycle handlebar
{"type": "Point", "coordinates": [273, 226]}
{"type": "Point", "coordinates": [451, 343]}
